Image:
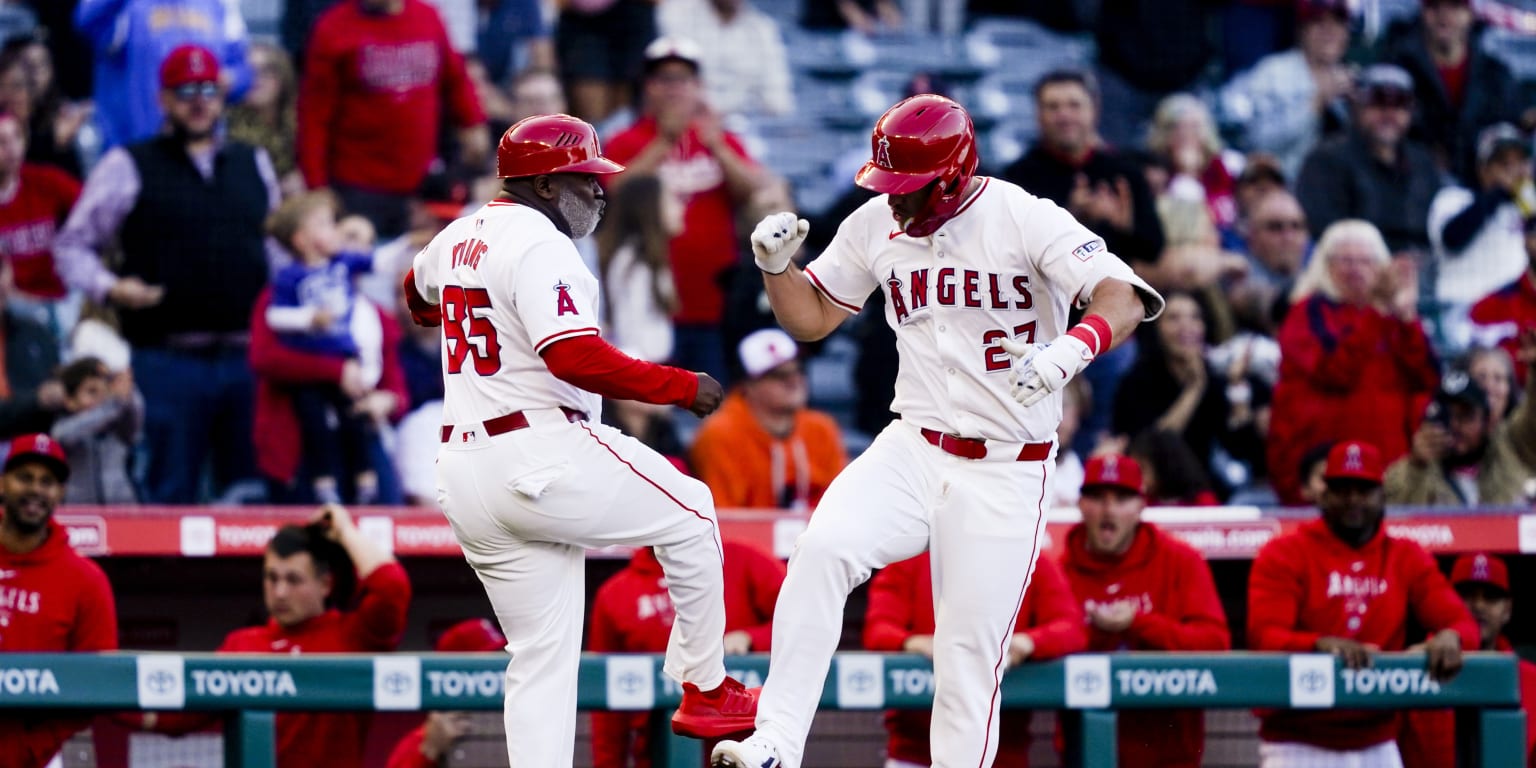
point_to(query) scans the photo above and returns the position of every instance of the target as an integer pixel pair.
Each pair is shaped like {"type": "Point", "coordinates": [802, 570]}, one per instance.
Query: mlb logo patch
{"type": "Point", "coordinates": [1086, 251]}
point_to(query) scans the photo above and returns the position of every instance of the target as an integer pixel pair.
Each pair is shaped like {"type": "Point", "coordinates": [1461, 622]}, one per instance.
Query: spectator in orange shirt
{"type": "Point", "coordinates": [901, 618]}
{"type": "Point", "coordinates": [764, 447]}
{"type": "Point", "coordinates": [430, 744]}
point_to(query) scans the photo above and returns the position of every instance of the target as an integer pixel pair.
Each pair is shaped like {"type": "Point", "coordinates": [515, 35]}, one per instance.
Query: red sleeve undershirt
{"type": "Point", "coordinates": [599, 367]}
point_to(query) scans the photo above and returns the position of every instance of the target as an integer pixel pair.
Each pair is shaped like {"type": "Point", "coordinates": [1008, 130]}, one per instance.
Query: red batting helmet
{"type": "Point", "coordinates": [922, 138]}
{"type": "Point", "coordinates": [551, 144]}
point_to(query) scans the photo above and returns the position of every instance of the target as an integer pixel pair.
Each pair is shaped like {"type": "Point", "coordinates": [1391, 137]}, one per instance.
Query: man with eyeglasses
{"type": "Point", "coordinates": [188, 210]}
{"type": "Point", "coordinates": [764, 448]}
{"type": "Point", "coordinates": [1274, 232]}
{"type": "Point", "coordinates": [1375, 172]}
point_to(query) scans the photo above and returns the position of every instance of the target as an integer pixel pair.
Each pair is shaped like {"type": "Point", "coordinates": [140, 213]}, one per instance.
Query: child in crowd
{"type": "Point", "coordinates": [103, 416]}
{"type": "Point", "coordinates": [312, 310]}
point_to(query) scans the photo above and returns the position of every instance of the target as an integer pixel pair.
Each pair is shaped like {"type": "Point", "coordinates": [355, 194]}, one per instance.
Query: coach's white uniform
{"type": "Point", "coordinates": [525, 503]}
{"type": "Point", "coordinates": [1008, 264]}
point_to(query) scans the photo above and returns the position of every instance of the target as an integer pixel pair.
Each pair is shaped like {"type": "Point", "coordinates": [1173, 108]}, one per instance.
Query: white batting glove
{"type": "Point", "coordinates": [1040, 369]}
{"type": "Point", "coordinates": [777, 237]}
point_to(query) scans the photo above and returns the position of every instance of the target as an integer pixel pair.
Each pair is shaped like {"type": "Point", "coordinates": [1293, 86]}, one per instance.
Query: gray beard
{"type": "Point", "coordinates": [581, 218]}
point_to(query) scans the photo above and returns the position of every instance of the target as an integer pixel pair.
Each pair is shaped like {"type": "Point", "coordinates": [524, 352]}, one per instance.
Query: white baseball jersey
{"type": "Point", "coordinates": [509, 284]}
{"type": "Point", "coordinates": [1008, 265]}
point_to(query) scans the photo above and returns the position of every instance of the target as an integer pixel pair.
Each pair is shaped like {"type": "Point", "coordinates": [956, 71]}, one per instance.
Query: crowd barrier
{"type": "Point", "coordinates": [1088, 688]}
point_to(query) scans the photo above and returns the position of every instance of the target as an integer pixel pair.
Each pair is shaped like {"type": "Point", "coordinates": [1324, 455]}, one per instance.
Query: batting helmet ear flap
{"type": "Point", "coordinates": [551, 144]}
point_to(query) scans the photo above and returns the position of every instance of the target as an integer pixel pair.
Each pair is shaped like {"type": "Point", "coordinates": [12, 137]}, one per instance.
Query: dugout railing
{"type": "Point", "coordinates": [1088, 689]}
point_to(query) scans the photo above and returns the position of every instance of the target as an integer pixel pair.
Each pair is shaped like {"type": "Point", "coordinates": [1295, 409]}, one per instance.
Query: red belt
{"type": "Point", "coordinates": [972, 448]}
{"type": "Point", "coordinates": [513, 422]}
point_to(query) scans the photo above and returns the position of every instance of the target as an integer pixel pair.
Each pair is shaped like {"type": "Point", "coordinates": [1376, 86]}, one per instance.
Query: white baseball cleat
{"type": "Point", "coordinates": [750, 753]}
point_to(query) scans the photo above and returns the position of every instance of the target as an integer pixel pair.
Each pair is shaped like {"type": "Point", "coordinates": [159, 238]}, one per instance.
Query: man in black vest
{"type": "Point", "coordinates": [187, 209]}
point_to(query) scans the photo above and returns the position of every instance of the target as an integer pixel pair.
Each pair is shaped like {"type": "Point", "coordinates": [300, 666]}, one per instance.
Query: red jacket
{"type": "Point", "coordinates": [1178, 610]}
{"type": "Point", "coordinates": [407, 753]}
{"type": "Point", "coordinates": [1505, 311]}
{"type": "Point", "coordinates": [330, 739]}
{"type": "Point", "coordinates": [1346, 373]}
{"type": "Point", "coordinates": [706, 246]}
{"type": "Point", "coordinates": [28, 222]}
{"type": "Point", "coordinates": [901, 605]}
{"type": "Point", "coordinates": [51, 599]}
{"type": "Point", "coordinates": [633, 613]}
{"type": "Point", "coordinates": [1308, 584]}
{"type": "Point", "coordinates": [1428, 736]}
{"type": "Point", "coordinates": [279, 445]}
{"type": "Point", "coordinates": [373, 94]}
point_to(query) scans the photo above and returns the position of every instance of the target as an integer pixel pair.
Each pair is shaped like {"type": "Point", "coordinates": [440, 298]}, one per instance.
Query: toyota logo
{"type": "Point", "coordinates": [160, 681]}
{"type": "Point", "coordinates": [1087, 682]}
{"type": "Point", "coordinates": [397, 683]}
{"type": "Point", "coordinates": [631, 682]}
{"type": "Point", "coordinates": [861, 681]}
{"type": "Point", "coordinates": [1312, 681]}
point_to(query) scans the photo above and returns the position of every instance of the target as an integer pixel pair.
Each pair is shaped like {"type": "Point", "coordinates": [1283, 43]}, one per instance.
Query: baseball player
{"type": "Point", "coordinates": [979, 277]}
{"type": "Point", "coordinates": [1341, 585]}
{"type": "Point", "coordinates": [527, 475]}
{"type": "Point", "coordinates": [51, 598]}
{"type": "Point", "coordinates": [1142, 590]}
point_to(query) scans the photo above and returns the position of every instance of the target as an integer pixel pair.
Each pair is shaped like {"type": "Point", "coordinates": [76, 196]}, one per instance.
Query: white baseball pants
{"type": "Point", "coordinates": [1287, 754]}
{"type": "Point", "coordinates": [981, 520]}
{"type": "Point", "coordinates": [525, 505]}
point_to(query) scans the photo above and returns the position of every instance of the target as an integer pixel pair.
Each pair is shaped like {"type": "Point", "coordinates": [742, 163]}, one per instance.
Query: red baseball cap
{"type": "Point", "coordinates": [38, 447]}
{"type": "Point", "coordinates": [1113, 471]}
{"type": "Point", "coordinates": [472, 636]}
{"type": "Point", "coordinates": [189, 64]}
{"type": "Point", "coordinates": [1354, 460]}
{"type": "Point", "coordinates": [1481, 569]}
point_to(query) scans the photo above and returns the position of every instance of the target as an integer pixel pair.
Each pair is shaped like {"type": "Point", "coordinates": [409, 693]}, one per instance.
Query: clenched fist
{"type": "Point", "coordinates": [777, 237]}
{"type": "Point", "coordinates": [1040, 369]}
{"type": "Point", "coordinates": [709, 396]}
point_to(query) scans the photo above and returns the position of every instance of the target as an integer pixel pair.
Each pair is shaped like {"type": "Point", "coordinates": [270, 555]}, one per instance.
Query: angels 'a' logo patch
{"type": "Point", "coordinates": [883, 152]}
{"type": "Point", "coordinates": [564, 305]}
{"type": "Point", "coordinates": [1086, 251]}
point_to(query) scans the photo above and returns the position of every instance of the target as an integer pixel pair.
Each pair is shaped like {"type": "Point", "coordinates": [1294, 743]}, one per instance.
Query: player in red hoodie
{"type": "Point", "coordinates": [1340, 585]}
{"type": "Point", "coordinates": [426, 746]}
{"type": "Point", "coordinates": [1428, 737]}
{"type": "Point", "coordinates": [632, 612]}
{"type": "Point", "coordinates": [1142, 590]}
{"type": "Point", "coordinates": [51, 599]}
{"type": "Point", "coordinates": [302, 571]}
{"type": "Point", "coordinates": [900, 618]}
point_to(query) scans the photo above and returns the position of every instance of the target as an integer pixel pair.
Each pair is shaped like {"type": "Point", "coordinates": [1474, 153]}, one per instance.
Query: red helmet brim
{"type": "Point", "coordinates": [598, 165]}
{"type": "Point", "coordinates": [877, 179]}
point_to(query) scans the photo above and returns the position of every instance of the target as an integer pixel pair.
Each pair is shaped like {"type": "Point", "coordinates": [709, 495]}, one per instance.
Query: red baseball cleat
{"type": "Point", "coordinates": [729, 709]}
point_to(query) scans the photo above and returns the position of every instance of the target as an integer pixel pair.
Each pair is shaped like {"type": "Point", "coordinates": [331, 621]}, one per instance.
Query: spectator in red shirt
{"type": "Point", "coordinates": [901, 619]}
{"type": "Point", "coordinates": [378, 78]}
{"type": "Point", "coordinates": [1500, 315]}
{"type": "Point", "coordinates": [632, 612]}
{"type": "Point", "coordinates": [430, 744]}
{"type": "Point", "coordinates": [51, 599]}
{"type": "Point", "coordinates": [34, 202]}
{"type": "Point", "coordinates": [1142, 590]}
{"type": "Point", "coordinates": [1354, 360]}
{"type": "Point", "coordinates": [1341, 585]}
{"type": "Point", "coordinates": [680, 140]}
{"type": "Point", "coordinates": [306, 574]}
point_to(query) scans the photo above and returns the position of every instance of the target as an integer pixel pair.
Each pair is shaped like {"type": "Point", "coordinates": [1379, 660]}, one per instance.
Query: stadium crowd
{"type": "Point", "coordinates": [203, 233]}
